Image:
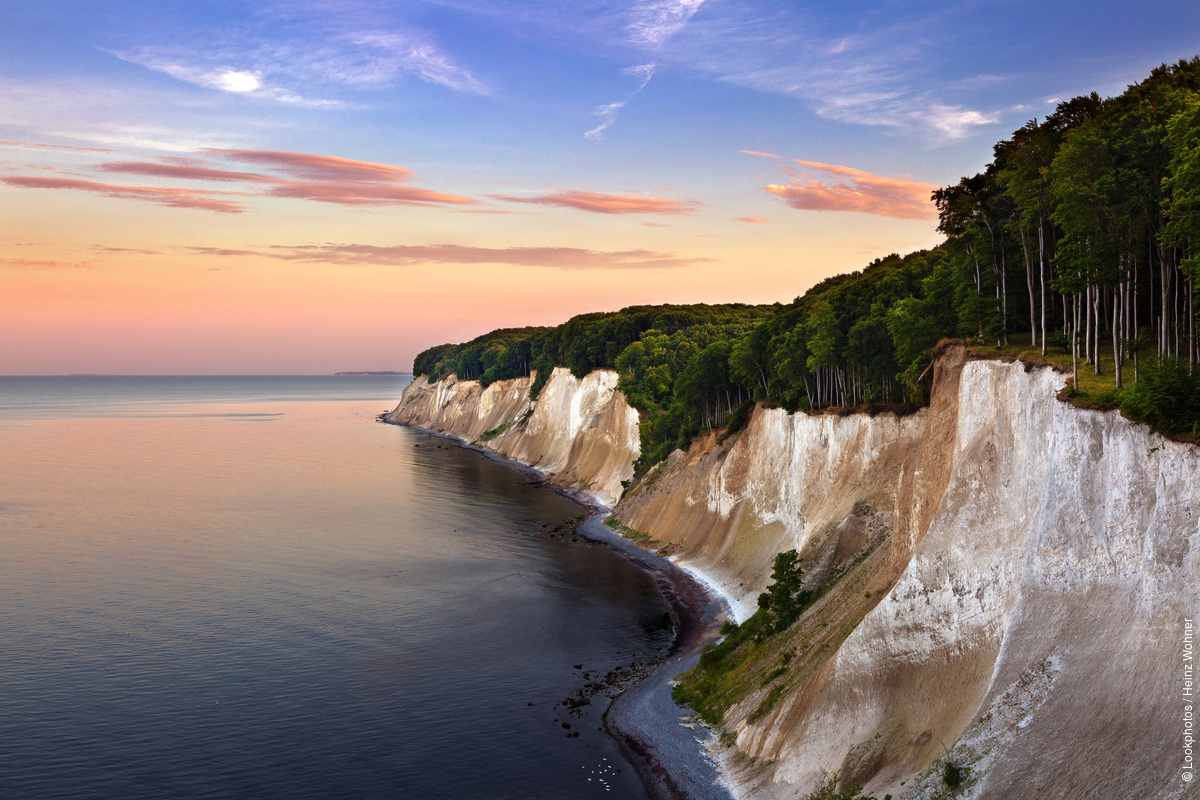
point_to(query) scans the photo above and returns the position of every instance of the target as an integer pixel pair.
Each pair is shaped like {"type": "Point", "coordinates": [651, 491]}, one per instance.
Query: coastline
{"type": "Point", "coordinates": [670, 754]}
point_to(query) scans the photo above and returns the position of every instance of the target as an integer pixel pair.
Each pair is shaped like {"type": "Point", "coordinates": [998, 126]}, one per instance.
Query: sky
{"type": "Point", "coordinates": [312, 186]}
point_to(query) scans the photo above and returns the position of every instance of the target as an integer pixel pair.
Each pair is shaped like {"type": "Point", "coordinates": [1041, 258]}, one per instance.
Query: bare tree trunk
{"type": "Point", "coordinates": [1164, 268]}
{"type": "Point", "coordinates": [1003, 289]}
{"type": "Point", "coordinates": [1042, 272]}
{"type": "Point", "coordinates": [1116, 338]}
{"type": "Point", "coordinates": [1191, 327]}
{"type": "Point", "coordinates": [1137, 331]}
{"type": "Point", "coordinates": [1029, 284]}
{"type": "Point", "coordinates": [1087, 326]}
{"type": "Point", "coordinates": [1075, 344]}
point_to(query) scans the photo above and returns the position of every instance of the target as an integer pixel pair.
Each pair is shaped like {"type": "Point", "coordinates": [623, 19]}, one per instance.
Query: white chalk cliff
{"type": "Point", "coordinates": [1008, 575]}
{"type": "Point", "coordinates": [580, 432]}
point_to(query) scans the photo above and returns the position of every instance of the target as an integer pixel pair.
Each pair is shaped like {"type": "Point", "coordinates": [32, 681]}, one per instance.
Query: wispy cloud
{"type": "Point", "coordinates": [182, 172]}
{"type": "Point", "coordinates": [883, 72]}
{"type": "Point", "coordinates": [655, 21]}
{"type": "Point", "coordinates": [127, 250]}
{"type": "Point", "coordinates": [177, 198]}
{"type": "Point", "coordinates": [309, 166]}
{"type": "Point", "coordinates": [608, 203]}
{"type": "Point", "coordinates": [47, 263]}
{"type": "Point", "coordinates": [299, 53]}
{"type": "Point", "coordinates": [198, 69]}
{"type": "Point", "coordinates": [57, 147]}
{"type": "Point", "coordinates": [832, 187]}
{"type": "Point", "coordinates": [608, 112]}
{"type": "Point", "coordinates": [755, 220]}
{"type": "Point", "coordinates": [306, 176]}
{"type": "Point", "coordinates": [390, 55]}
{"type": "Point", "coordinates": [566, 258]}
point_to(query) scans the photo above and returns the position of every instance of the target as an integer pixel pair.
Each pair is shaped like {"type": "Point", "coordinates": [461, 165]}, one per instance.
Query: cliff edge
{"type": "Point", "coordinates": [1003, 578]}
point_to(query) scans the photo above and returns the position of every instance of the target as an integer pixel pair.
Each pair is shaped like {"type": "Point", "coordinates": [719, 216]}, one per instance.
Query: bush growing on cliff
{"type": "Point", "coordinates": [1166, 397]}
{"type": "Point", "coordinates": [787, 596]}
{"type": "Point", "coordinates": [829, 791]}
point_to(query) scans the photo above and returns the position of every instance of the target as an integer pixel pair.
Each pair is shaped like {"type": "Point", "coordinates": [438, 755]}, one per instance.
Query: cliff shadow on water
{"type": "Point", "coordinates": [996, 586]}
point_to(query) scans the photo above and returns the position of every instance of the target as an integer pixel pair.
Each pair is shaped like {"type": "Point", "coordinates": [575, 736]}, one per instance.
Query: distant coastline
{"type": "Point", "coordinates": [343, 374]}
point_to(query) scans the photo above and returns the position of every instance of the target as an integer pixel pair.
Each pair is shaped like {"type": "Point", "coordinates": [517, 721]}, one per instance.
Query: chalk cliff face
{"type": "Point", "coordinates": [1007, 576]}
{"type": "Point", "coordinates": [787, 481]}
{"type": "Point", "coordinates": [580, 433]}
{"type": "Point", "coordinates": [1024, 610]}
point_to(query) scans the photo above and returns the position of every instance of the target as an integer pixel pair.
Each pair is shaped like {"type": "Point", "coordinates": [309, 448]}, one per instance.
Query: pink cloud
{"type": "Point", "coordinates": [757, 153]}
{"type": "Point", "coordinates": [756, 220]}
{"type": "Point", "coordinates": [850, 189]}
{"type": "Point", "coordinates": [42, 262]}
{"type": "Point", "coordinates": [57, 147]}
{"type": "Point", "coordinates": [134, 250]}
{"type": "Point", "coordinates": [609, 203]}
{"type": "Point", "coordinates": [184, 171]}
{"type": "Point", "coordinates": [323, 179]}
{"type": "Point", "coordinates": [311, 167]}
{"type": "Point", "coordinates": [178, 198]}
{"type": "Point", "coordinates": [568, 258]}
{"type": "Point", "coordinates": [353, 193]}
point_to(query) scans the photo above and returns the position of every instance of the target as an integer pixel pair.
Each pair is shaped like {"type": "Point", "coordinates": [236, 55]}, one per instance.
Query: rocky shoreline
{"type": "Point", "coordinates": [666, 749]}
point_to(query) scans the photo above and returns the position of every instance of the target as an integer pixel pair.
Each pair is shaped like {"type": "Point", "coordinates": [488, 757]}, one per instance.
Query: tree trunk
{"type": "Point", "coordinates": [1075, 344]}
{"type": "Point", "coordinates": [1003, 290]}
{"type": "Point", "coordinates": [1029, 284]}
{"type": "Point", "coordinates": [1042, 273]}
{"type": "Point", "coordinates": [1087, 325]}
{"type": "Point", "coordinates": [1116, 338]}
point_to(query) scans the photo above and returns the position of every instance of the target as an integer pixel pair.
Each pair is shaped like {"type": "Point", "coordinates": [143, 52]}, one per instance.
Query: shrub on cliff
{"type": "Point", "coordinates": [829, 791]}
{"type": "Point", "coordinates": [1166, 397]}
{"type": "Point", "coordinates": [786, 598]}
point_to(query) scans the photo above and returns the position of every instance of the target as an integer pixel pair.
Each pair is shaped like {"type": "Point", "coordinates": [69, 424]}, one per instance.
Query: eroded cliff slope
{"type": "Point", "coordinates": [1004, 577]}
{"type": "Point", "coordinates": [1007, 582]}
{"type": "Point", "coordinates": [579, 432]}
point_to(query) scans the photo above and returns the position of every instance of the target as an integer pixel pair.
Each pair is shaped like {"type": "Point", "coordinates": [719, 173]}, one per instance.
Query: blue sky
{"type": "Point", "coordinates": [556, 157]}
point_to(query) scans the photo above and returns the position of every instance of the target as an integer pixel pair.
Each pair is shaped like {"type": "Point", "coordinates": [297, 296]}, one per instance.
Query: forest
{"type": "Point", "coordinates": [1079, 244]}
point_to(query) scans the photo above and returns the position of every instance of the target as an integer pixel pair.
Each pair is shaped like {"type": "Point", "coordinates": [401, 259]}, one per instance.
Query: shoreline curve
{"type": "Point", "coordinates": [670, 757]}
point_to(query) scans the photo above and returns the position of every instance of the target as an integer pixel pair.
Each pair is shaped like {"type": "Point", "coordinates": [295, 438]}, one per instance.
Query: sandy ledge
{"type": "Point", "coordinates": [666, 744]}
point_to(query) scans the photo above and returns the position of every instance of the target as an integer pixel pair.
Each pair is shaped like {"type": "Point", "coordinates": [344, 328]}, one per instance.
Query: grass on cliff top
{"type": "Point", "coordinates": [1164, 397]}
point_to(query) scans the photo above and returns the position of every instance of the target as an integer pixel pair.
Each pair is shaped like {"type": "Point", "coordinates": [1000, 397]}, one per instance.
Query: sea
{"type": "Point", "coordinates": [249, 587]}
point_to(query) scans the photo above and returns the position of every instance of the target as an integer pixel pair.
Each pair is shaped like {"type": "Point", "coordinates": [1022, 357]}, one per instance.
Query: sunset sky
{"type": "Point", "coordinates": [307, 187]}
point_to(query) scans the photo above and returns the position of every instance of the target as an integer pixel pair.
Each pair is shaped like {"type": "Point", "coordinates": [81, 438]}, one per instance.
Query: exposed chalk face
{"type": "Point", "coordinates": [730, 508]}
{"type": "Point", "coordinates": [1025, 610]}
{"type": "Point", "coordinates": [1041, 562]}
{"type": "Point", "coordinates": [580, 432]}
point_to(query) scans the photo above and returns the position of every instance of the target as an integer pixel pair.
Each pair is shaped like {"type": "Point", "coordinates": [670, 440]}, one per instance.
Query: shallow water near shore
{"type": "Point", "coordinates": [246, 587]}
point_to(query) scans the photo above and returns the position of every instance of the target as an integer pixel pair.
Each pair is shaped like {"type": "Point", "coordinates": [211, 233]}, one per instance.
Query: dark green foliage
{"type": "Point", "coordinates": [785, 599]}
{"type": "Point", "coordinates": [1166, 397]}
{"type": "Point", "coordinates": [1084, 222]}
{"type": "Point", "coordinates": [494, 432]}
{"type": "Point", "coordinates": [953, 774]}
{"type": "Point", "coordinates": [829, 791]}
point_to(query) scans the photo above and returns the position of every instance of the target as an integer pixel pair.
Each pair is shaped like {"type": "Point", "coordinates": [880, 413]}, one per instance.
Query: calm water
{"type": "Point", "coordinates": [248, 588]}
